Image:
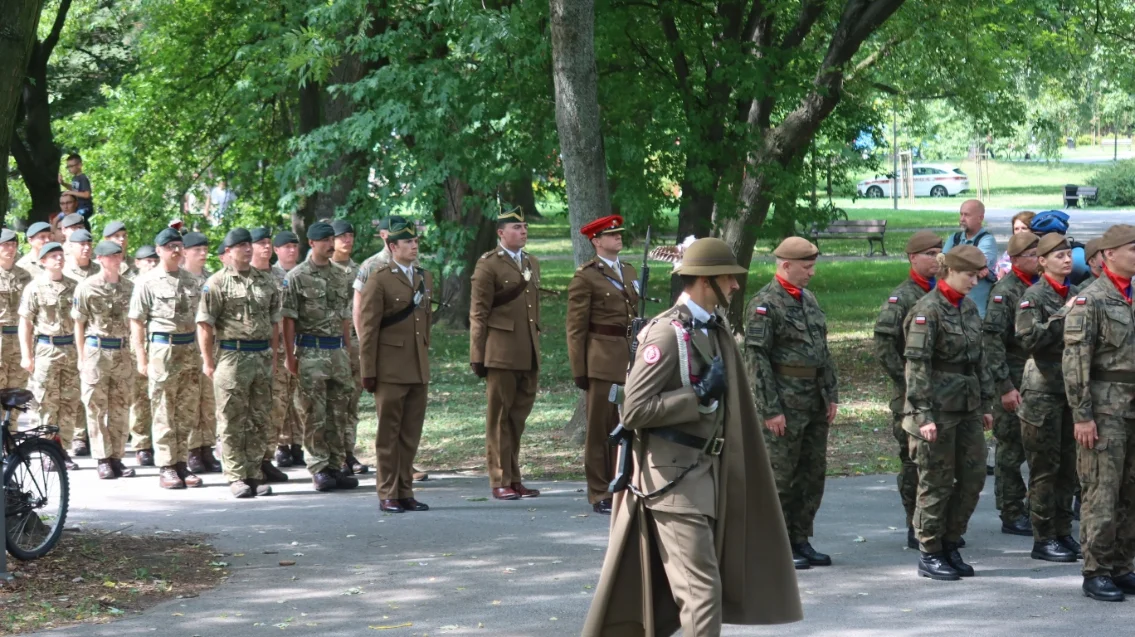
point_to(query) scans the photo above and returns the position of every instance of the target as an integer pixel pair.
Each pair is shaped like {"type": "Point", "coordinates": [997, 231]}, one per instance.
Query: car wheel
{"type": "Point", "coordinates": [874, 192]}
{"type": "Point", "coordinates": [939, 191]}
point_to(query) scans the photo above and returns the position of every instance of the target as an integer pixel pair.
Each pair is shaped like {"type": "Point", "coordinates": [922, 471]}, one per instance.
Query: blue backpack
{"type": "Point", "coordinates": [1057, 221]}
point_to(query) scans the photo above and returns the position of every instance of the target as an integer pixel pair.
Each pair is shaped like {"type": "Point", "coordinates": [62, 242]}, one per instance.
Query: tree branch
{"type": "Point", "coordinates": [56, 29]}
{"type": "Point", "coordinates": [810, 11]}
{"type": "Point", "coordinates": [681, 65]}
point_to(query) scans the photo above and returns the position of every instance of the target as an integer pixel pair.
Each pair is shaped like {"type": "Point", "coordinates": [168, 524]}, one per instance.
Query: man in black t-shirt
{"type": "Point", "coordinates": [80, 186]}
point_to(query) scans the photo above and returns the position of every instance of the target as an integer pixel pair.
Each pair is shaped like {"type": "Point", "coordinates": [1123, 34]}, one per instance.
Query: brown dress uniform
{"type": "Point", "coordinates": [504, 336]}
{"type": "Point", "coordinates": [602, 300]}
{"type": "Point", "coordinates": [394, 349]}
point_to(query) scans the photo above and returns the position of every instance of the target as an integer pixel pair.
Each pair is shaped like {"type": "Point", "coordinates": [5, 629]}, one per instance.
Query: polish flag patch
{"type": "Point", "coordinates": [920, 320]}
{"type": "Point", "coordinates": [1080, 300]}
{"type": "Point", "coordinates": [762, 310]}
{"type": "Point", "coordinates": [651, 354]}
{"type": "Point", "coordinates": [893, 299]}
{"type": "Point", "coordinates": [1025, 304]}
{"type": "Point", "coordinates": [998, 299]}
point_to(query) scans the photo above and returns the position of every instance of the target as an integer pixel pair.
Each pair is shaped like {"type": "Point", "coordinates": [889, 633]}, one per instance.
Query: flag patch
{"type": "Point", "coordinates": [893, 299]}
{"type": "Point", "coordinates": [1025, 304]}
{"type": "Point", "coordinates": [1081, 300]}
{"type": "Point", "coordinates": [762, 310]}
{"type": "Point", "coordinates": [998, 299]}
{"type": "Point", "coordinates": [920, 320]}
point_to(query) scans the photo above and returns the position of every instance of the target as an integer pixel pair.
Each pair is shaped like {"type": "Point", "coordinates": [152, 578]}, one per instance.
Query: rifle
{"type": "Point", "coordinates": [621, 436]}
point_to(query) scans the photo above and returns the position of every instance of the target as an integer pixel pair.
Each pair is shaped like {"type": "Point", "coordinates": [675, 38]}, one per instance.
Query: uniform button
{"type": "Point", "coordinates": [529, 307]}
{"type": "Point", "coordinates": [531, 321]}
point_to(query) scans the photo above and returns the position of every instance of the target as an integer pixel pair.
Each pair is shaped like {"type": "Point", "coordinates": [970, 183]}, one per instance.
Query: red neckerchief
{"type": "Point", "coordinates": [788, 287]}
{"type": "Point", "coordinates": [1026, 279]}
{"type": "Point", "coordinates": [1121, 284]}
{"type": "Point", "coordinates": [1061, 288]}
{"type": "Point", "coordinates": [952, 295]}
{"type": "Point", "coordinates": [921, 281]}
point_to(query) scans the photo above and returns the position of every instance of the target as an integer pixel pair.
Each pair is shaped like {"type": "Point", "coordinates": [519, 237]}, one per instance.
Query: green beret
{"type": "Point", "coordinates": [7, 235]}
{"type": "Point", "coordinates": [79, 236]}
{"type": "Point", "coordinates": [73, 219]}
{"type": "Point", "coordinates": [107, 248]}
{"type": "Point", "coordinates": [319, 231]}
{"type": "Point", "coordinates": [403, 231]}
{"type": "Point", "coordinates": [113, 227]}
{"type": "Point", "coordinates": [390, 221]}
{"type": "Point", "coordinates": [221, 249]}
{"type": "Point", "coordinates": [237, 236]}
{"type": "Point", "coordinates": [169, 235]}
{"type": "Point", "coordinates": [342, 226]}
{"type": "Point", "coordinates": [284, 237]}
{"type": "Point", "coordinates": [145, 252]}
{"type": "Point", "coordinates": [38, 227]}
{"type": "Point", "coordinates": [259, 234]}
{"type": "Point", "coordinates": [48, 248]}
{"type": "Point", "coordinates": [194, 240]}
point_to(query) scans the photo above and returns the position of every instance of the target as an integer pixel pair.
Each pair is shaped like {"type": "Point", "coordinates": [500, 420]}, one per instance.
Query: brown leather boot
{"type": "Point", "coordinates": [324, 480]}
{"type": "Point", "coordinates": [240, 489]}
{"type": "Point", "coordinates": [189, 477]}
{"type": "Point", "coordinates": [196, 463]}
{"type": "Point", "coordinates": [105, 470]}
{"type": "Point", "coordinates": [211, 463]}
{"type": "Point", "coordinates": [272, 474]}
{"type": "Point", "coordinates": [121, 470]}
{"type": "Point", "coordinates": [168, 478]}
{"type": "Point", "coordinates": [259, 487]}
{"type": "Point", "coordinates": [145, 457]}
{"type": "Point", "coordinates": [283, 456]}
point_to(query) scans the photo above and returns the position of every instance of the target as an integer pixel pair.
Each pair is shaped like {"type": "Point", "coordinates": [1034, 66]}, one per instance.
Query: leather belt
{"type": "Point", "coordinates": [607, 330]}
{"type": "Point", "coordinates": [967, 369]}
{"type": "Point", "coordinates": [712, 448]}
{"type": "Point", "coordinates": [1113, 377]}
{"type": "Point", "coordinates": [103, 342]}
{"type": "Point", "coordinates": [243, 346]}
{"type": "Point", "coordinates": [66, 339]}
{"type": "Point", "coordinates": [796, 371]}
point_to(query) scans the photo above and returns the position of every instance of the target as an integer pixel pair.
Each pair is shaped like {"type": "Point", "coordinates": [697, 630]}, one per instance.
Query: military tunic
{"type": "Point", "coordinates": [12, 284]}
{"type": "Point", "coordinates": [204, 434]}
{"type": "Point", "coordinates": [601, 304]}
{"type": "Point", "coordinates": [350, 433]}
{"type": "Point", "coordinates": [1046, 420]}
{"type": "Point", "coordinates": [1099, 380]}
{"type": "Point", "coordinates": [244, 309]}
{"type": "Point", "coordinates": [166, 305]}
{"type": "Point", "coordinates": [30, 263]}
{"type": "Point", "coordinates": [108, 369]}
{"type": "Point", "coordinates": [318, 299]}
{"type": "Point", "coordinates": [284, 384]}
{"type": "Point", "coordinates": [1006, 356]}
{"type": "Point", "coordinates": [948, 384]}
{"type": "Point", "coordinates": [55, 380]}
{"type": "Point", "coordinates": [792, 374]}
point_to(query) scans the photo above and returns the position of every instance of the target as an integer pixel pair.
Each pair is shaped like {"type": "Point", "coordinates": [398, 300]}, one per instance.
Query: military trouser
{"type": "Point", "coordinates": [1008, 485]}
{"type": "Point", "coordinates": [285, 428]}
{"type": "Point", "coordinates": [11, 374]}
{"type": "Point", "coordinates": [141, 419]}
{"type": "Point", "coordinates": [1046, 433]}
{"type": "Point", "coordinates": [951, 475]}
{"type": "Point", "coordinates": [685, 543]}
{"type": "Point", "coordinates": [204, 434]}
{"type": "Point", "coordinates": [800, 463]}
{"type": "Point", "coordinates": [325, 386]}
{"type": "Point", "coordinates": [351, 425]}
{"type": "Point", "coordinates": [908, 472]}
{"type": "Point", "coordinates": [401, 414]}
{"type": "Point", "coordinates": [107, 386]}
{"type": "Point", "coordinates": [510, 395]}
{"type": "Point", "coordinates": [55, 385]}
{"type": "Point", "coordinates": [242, 385]}
{"type": "Point", "coordinates": [1107, 512]}
{"type": "Point", "coordinates": [602, 418]}
{"type": "Point", "coordinates": [175, 398]}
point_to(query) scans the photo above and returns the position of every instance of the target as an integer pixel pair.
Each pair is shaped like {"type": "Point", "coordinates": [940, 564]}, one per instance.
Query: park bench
{"type": "Point", "coordinates": [872, 230]}
{"type": "Point", "coordinates": [1074, 195]}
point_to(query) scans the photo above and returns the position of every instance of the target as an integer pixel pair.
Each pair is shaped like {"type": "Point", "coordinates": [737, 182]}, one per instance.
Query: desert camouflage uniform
{"type": "Point", "coordinates": [284, 385]}
{"type": "Point", "coordinates": [792, 373]}
{"type": "Point", "coordinates": [12, 284]}
{"type": "Point", "coordinates": [948, 384]}
{"type": "Point", "coordinates": [108, 370]}
{"type": "Point", "coordinates": [351, 430]}
{"type": "Point", "coordinates": [140, 417]}
{"type": "Point", "coordinates": [55, 381]}
{"type": "Point", "coordinates": [77, 273]}
{"type": "Point", "coordinates": [205, 433]}
{"type": "Point", "coordinates": [30, 263]}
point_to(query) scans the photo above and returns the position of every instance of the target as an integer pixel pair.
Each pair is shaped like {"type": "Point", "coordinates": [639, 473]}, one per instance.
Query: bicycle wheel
{"type": "Point", "coordinates": [35, 495]}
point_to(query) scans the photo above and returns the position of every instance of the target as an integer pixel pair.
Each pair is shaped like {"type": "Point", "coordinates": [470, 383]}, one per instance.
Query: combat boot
{"type": "Point", "coordinates": [80, 448]}
{"type": "Point", "coordinates": [345, 481]}
{"type": "Point", "coordinates": [241, 489]}
{"type": "Point", "coordinates": [105, 470]}
{"type": "Point", "coordinates": [911, 539]}
{"type": "Point", "coordinates": [1071, 544]}
{"type": "Point", "coordinates": [188, 476]}
{"type": "Point", "coordinates": [324, 480]}
{"type": "Point", "coordinates": [954, 558]}
{"type": "Point", "coordinates": [145, 457]}
{"type": "Point", "coordinates": [1102, 589]}
{"type": "Point", "coordinates": [259, 487]}
{"type": "Point", "coordinates": [936, 566]}
{"type": "Point", "coordinates": [814, 557]}
{"type": "Point", "coordinates": [168, 478]}
{"type": "Point", "coordinates": [1019, 526]}
{"type": "Point", "coordinates": [297, 456]}
{"type": "Point", "coordinates": [1076, 507]}
{"type": "Point", "coordinates": [356, 466]}
{"type": "Point", "coordinates": [283, 456]}
{"type": "Point", "coordinates": [272, 474]}
{"type": "Point", "coordinates": [196, 463]}
{"type": "Point", "coordinates": [210, 461]}
{"type": "Point", "coordinates": [1052, 551]}
{"type": "Point", "coordinates": [1125, 583]}
{"type": "Point", "coordinates": [121, 470]}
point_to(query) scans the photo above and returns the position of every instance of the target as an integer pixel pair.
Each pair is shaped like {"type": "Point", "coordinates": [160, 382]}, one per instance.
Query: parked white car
{"type": "Point", "coordinates": [930, 180]}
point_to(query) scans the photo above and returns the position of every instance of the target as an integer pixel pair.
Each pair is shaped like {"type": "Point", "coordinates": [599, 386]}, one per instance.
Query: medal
{"type": "Point", "coordinates": [418, 298]}
{"type": "Point", "coordinates": [527, 274]}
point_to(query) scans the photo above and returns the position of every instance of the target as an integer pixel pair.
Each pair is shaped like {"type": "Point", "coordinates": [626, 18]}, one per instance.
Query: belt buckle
{"type": "Point", "coordinates": [715, 448]}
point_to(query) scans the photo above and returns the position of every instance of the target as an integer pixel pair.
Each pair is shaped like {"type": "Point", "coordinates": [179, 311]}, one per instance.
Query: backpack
{"type": "Point", "coordinates": [1049, 221]}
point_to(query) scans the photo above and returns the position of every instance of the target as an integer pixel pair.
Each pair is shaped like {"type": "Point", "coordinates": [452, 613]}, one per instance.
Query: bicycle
{"type": "Point", "coordinates": [36, 487]}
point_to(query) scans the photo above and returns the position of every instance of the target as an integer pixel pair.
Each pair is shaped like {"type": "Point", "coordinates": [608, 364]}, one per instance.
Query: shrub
{"type": "Point", "coordinates": [1085, 140]}
{"type": "Point", "coordinates": [1116, 183]}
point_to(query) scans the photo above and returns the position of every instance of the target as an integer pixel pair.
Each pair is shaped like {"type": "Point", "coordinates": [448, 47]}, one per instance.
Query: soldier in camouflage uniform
{"type": "Point", "coordinates": [317, 315]}
{"type": "Point", "coordinates": [240, 314]}
{"type": "Point", "coordinates": [344, 242]}
{"type": "Point", "coordinates": [102, 332]}
{"type": "Point", "coordinates": [287, 438]}
{"type": "Point", "coordinates": [1046, 420]}
{"type": "Point", "coordinates": [1006, 357]}
{"type": "Point", "coordinates": [163, 310]}
{"type": "Point", "coordinates": [794, 381]}
{"type": "Point", "coordinates": [1093, 258]}
{"type": "Point", "coordinates": [922, 251]}
{"type": "Point", "coordinates": [116, 231]}
{"type": "Point", "coordinates": [1099, 379]}
{"type": "Point", "coordinates": [77, 266]}
{"type": "Point", "coordinates": [47, 347]}
{"type": "Point", "coordinates": [39, 233]}
{"type": "Point", "coordinates": [948, 391]}
{"type": "Point", "coordinates": [13, 280]}
{"type": "Point", "coordinates": [141, 419]}
{"type": "Point", "coordinates": [202, 437]}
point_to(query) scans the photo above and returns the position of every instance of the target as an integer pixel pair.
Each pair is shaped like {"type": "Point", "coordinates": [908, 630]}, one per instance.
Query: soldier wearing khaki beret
{"type": "Point", "coordinates": [1093, 258]}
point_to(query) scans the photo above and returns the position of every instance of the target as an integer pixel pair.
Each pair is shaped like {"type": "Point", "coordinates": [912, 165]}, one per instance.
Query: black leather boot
{"type": "Point", "coordinates": [1125, 583]}
{"type": "Point", "coordinates": [1019, 526]}
{"type": "Point", "coordinates": [1102, 589]}
{"type": "Point", "coordinates": [936, 566]}
{"type": "Point", "coordinates": [1052, 551]}
{"type": "Point", "coordinates": [911, 540]}
{"type": "Point", "coordinates": [1071, 544]}
{"type": "Point", "coordinates": [955, 559]}
{"type": "Point", "coordinates": [814, 557]}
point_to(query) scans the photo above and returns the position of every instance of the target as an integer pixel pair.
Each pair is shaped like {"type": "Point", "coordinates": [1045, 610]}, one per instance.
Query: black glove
{"type": "Point", "coordinates": [582, 382]}
{"type": "Point", "coordinates": [712, 386]}
{"type": "Point", "coordinates": [479, 369]}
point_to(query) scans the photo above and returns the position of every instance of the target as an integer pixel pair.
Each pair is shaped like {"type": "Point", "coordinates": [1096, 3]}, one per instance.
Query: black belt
{"type": "Point", "coordinates": [607, 330]}
{"type": "Point", "coordinates": [796, 371]}
{"type": "Point", "coordinates": [968, 369]}
{"type": "Point", "coordinates": [713, 447]}
{"type": "Point", "coordinates": [1113, 377]}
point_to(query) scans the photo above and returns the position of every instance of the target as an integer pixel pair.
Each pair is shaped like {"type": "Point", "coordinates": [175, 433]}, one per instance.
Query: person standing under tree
{"type": "Point", "coordinates": [141, 417]}
{"type": "Point", "coordinates": [203, 436]}
{"type": "Point", "coordinates": [13, 280]}
{"type": "Point", "coordinates": [289, 434]}
{"type": "Point", "coordinates": [344, 244]}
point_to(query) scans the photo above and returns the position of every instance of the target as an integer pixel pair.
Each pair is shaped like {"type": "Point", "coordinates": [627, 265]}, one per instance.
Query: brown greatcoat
{"type": "Point", "coordinates": [758, 582]}
{"type": "Point", "coordinates": [506, 336]}
{"type": "Point", "coordinates": [404, 346]}
{"type": "Point", "coordinates": [595, 302]}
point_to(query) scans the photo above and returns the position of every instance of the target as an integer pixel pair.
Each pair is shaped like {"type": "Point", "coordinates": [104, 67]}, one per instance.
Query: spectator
{"type": "Point", "coordinates": [68, 203]}
{"type": "Point", "coordinates": [971, 218]}
{"type": "Point", "coordinates": [80, 186]}
{"type": "Point", "coordinates": [1020, 223]}
{"type": "Point", "coordinates": [218, 203]}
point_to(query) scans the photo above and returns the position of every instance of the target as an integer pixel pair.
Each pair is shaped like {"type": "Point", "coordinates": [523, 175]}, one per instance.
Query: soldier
{"type": "Point", "coordinates": [922, 251]}
{"type": "Point", "coordinates": [603, 297]}
{"type": "Point", "coordinates": [948, 391]}
{"type": "Point", "coordinates": [1006, 357]}
{"type": "Point", "coordinates": [1093, 258]}
{"type": "Point", "coordinates": [203, 436]}
{"type": "Point", "coordinates": [70, 223]}
{"type": "Point", "coordinates": [701, 482]}
{"type": "Point", "coordinates": [1099, 379]}
{"type": "Point", "coordinates": [141, 421]}
{"type": "Point", "coordinates": [162, 311]}
{"type": "Point", "coordinates": [787, 359]}
{"type": "Point", "coordinates": [1046, 421]}
{"type": "Point", "coordinates": [38, 234]}
{"type": "Point", "coordinates": [504, 348]}
{"type": "Point", "coordinates": [105, 368]}
{"type": "Point", "coordinates": [47, 347]}
{"type": "Point", "coordinates": [240, 314]}
{"type": "Point", "coordinates": [396, 323]}
{"type": "Point", "coordinates": [13, 280]}
{"type": "Point", "coordinates": [317, 315]}
{"type": "Point", "coordinates": [78, 265]}
{"type": "Point", "coordinates": [289, 435]}
{"type": "Point", "coordinates": [344, 243]}
{"type": "Point", "coordinates": [116, 231]}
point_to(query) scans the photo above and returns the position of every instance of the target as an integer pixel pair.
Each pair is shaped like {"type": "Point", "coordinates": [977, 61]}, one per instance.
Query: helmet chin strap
{"type": "Point", "coordinates": [722, 300]}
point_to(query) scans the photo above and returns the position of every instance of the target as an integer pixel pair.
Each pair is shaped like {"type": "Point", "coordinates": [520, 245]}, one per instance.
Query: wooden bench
{"type": "Point", "coordinates": [871, 230]}
{"type": "Point", "coordinates": [1074, 195]}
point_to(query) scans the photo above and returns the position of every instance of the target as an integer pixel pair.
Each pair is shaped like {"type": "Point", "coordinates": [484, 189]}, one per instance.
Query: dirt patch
{"type": "Point", "coordinates": [96, 576]}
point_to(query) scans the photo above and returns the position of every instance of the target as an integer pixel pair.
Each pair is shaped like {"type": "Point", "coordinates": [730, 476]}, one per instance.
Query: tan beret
{"type": "Point", "coordinates": [1118, 235]}
{"type": "Point", "coordinates": [796, 249]}
{"type": "Point", "coordinates": [1091, 249]}
{"type": "Point", "coordinates": [1052, 242]}
{"type": "Point", "coordinates": [1020, 242]}
{"type": "Point", "coordinates": [965, 258]}
{"type": "Point", "coordinates": [923, 240]}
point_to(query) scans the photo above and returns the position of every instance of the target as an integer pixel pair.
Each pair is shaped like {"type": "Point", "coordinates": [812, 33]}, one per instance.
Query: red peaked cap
{"type": "Point", "coordinates": [612, 223]}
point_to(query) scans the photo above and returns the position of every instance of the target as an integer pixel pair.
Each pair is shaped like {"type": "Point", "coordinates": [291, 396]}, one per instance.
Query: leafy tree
{"type": "Point", "coordinates": [20, 19]}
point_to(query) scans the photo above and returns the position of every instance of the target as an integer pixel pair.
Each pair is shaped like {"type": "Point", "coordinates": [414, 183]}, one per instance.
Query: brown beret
{"type": "Point", "coordinates": [965, 258]}
{"type": "Point", "coordinates": [796, 249]}
{"type": "Point", "coordinates": [1052, 242]}
{"type": "Point", "coordinates": [1091, 249]}
{"type": "Point", "coordinates": [1022, 241]}
{"type": "Point", "coordinates": [923, 240]}
{"type": "Point", "coordinates": [1118, 235]}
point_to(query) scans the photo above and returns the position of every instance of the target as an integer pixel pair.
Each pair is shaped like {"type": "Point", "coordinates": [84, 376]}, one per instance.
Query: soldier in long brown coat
{"type": "Point", "coordinates": [602, 299]}
{"type": "Point", "coordinates": [394, 340]}
{"type": "Point", "coordinates": [504, 348]}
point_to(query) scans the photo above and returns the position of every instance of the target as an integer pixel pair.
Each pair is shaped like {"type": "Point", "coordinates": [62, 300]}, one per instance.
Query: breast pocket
{"type": "Point", "coordinates": [1118, 331]}
{"type": "Point", "coordinates": [49, 306]}
{"type": "Point", "coordinates": [313, 304]}
{"type": "Point", "coordinates": [165, 302]}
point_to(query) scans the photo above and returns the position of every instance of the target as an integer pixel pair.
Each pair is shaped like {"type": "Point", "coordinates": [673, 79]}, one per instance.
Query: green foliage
{"type": "Point", "coordinates": [1116, 183]}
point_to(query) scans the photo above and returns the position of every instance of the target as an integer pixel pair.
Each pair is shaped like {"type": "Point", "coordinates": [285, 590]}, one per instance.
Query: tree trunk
{"type": "Point", "coordinates": [520, 193]}
{"type": "Point", "coordinates": [20, 19]}
{"type": "Point", "coordinates": [310, 118]}
{"type": "Point", "coordinates": [458, 213]}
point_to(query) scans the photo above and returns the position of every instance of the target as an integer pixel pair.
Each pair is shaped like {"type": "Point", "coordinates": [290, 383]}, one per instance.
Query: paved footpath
{"type": "Point", "coordinates": [472, 566]}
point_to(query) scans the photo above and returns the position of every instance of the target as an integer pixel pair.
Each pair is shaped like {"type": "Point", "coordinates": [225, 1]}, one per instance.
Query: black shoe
{"type": "Point", "coordinates": [602, 507]}
{"type": "Point", "coordinates": [145, 457]}
{"type": "Point", "coordinates": [357, 467]}
{"type": "Point", "coordinates": [1071, 544]}
{"type": "Point", "coordinates": [212, 465]}
{"type": "Point", "coordinates": [814, 557]}
{"type": "Point", "coordinates": [272, 474]}
{"type": "Point", "coordinates": [800, 562]}
{"type": "Point", "coordinates": [283, 456]}
{"type": "Point", "coordinates": [297, 456]}
{"type": "Point", "coordinates": [345, 481]}
{"type": "Point", "coordinates": [911, 540]}
{"type": "Point", "coordinates": [1075, 507]}
{"type": "Point", "coordinates": [259, 488]}
{"type": "Point", "coordinates": [1052, 551]}
{"type": "Point", "coordinates": [954, 558]}
{"type": "Point", "coordinates": [1125, 583]}
{"type": "Point", "coordinates": [410, 504]}
{"type": "Point", "coordinates": [80, 448]}
{"type": "Point", "coordinates": [324, 480]}
{"type": "Point", "coordinates": [1102, 589]}
{"type": "Point", "coordinates": [936, 566]}
{"type": "Point", "coordinates": [121, 470]}
{"type": "Point", "coordinates": [195, 462]}
{"type": "Point", "coordinates": [1019, 526]}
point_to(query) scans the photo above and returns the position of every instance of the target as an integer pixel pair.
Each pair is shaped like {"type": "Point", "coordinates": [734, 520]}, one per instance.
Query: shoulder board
{"type": "Point", "coordinates": [893, 299]}
{"type": "Point", "coordinates": [1000, 299]}
{"type": "Point", "coordinates": [920, 320]}
{"type": "Point", "coordinates": [1081, 300]}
